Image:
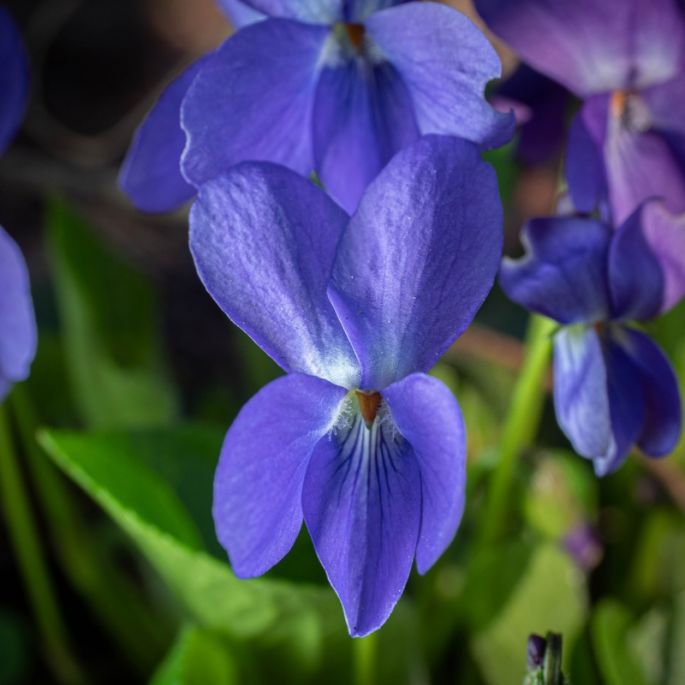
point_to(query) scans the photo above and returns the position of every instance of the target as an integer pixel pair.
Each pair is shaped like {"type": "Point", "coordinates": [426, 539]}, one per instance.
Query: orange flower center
{"type": "Point", "coordinates": [369, 403]}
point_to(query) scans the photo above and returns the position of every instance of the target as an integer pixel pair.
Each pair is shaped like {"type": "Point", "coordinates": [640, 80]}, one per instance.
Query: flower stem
{"type": "Point", "coordinates": [365, 659]}
{"type": "Point", "coordinates": [24, 535]}
{"type": "Point", "coordinates": [520, 427]}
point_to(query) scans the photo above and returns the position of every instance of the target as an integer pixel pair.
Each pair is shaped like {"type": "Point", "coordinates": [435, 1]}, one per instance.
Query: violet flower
{"type": "Point", "coordinates": [626, 59]}
{"type": "Point", "coordinates": [613, 386]}
{"type": "Point", "coordinates": [356, 440]}
{"type": "Point", "coordinates": [14, 79]}
{"type": "Point", "coordinates": [17, 322]}
{"type": "Point", "coordinates": [335, 87]}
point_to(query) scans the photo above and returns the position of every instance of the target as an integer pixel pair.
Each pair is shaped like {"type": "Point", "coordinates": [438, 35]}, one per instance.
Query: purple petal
{"type": "Point", "coordinates": [151, 174]}
{"type": "Point", "coordinates": [666, 104]}
{"type": "Point", "coordinates": [445, 62]}
{"type": "Point", "coordinates": [254, 100]}
{"type": "Point", "coordinates": [240, 13]}
{"type": "Point", "coordinates": [544, 129]}
{"type": "Point", "coordinates": [647, 263]}
{"type": "Point", "coordinates": [429, 418]}
{"type": "Point", "coordinates": [358, 10]}
{"type": "Point", "coordinates": [663, 411]}
{"type": "Point", "coordinates": [598, 396]}
{"type": "Point", "coordinates": [362, 506]}
{"type": "Point", "coordinates": [584, 160]}
{"type": "Point", "coordinates": [362, 117]}
{"type": "Point", "coordinates": [258, 483]}
{"type": "Point", "coordinates": [640, 166]}
{"type": "Point", "coordinates": [564, 272]}
{"type": "Point", "coordinates": [263, 239]}
{"type": "Point", "coordinates": [593, 47]}
{"type": "Point", "coordinates": [581, 399]}
{"type": "Point", "coordinates": [14, 79]}
{"type": "Point", "coordinates": [418, 258]}
{"type": "Point", "coordinates": [310, 11]}
{"type": "Point", "coordinates": [17, 320]}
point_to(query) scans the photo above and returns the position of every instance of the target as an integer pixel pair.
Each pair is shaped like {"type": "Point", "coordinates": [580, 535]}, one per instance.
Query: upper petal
{"type": "Point", "coordinates": [17, 320]}
{"type": "Point", "coordinates": [663, 408]}
{"type": "Point", "coordinates": [564, 272]}
{"type": "Point", "coordinates": [429, 418]}
{"type": "Point", "coordinates": [593, 47]}
{"type": "Point", "coordinates": [240, 13]}
{"type": "Point", "coordinates": [310, 11]}
{"type": "Point", "coordinates": [647, 263]}
{"type": "Point", "coordinates": [14, 79]}
{"type": "Point", "coordinates": [418, 258]}
{"type": "Point", "coordinates": [445, 63]}
{"type": "Point", "coordinates": [258, 483]}
{"type": "Point", "coordinates": [362, 506]}
{"type": "Point", "coordinates": [263, 239]}
{"type": "Point", "coordinates": [151, 173]}
{"type": "Point", "coordinates": [254, 100]}
{"type": "Point", "coordinates": [363, 115]}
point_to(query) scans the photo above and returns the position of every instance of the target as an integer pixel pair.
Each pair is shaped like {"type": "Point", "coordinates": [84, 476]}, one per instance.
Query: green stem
{"type": "Point", "coordinates": [521, 426]}
{"type": "Point", "coordinates": [114, 601]}
{"type": "Point", "coordinates": [24, 535]}
{"type": "Point", "coordinates": [365, 659]}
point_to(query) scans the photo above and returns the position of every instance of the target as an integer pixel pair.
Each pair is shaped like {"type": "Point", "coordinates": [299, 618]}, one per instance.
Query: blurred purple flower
{"type": "Point", "coordinates": [335, 87]}
{"type": "Point", "coordinates": [356, 440]}
{"type": "Point", "coordinates": [14, 79]}
{"type": "Point", "coordinates": [539, 105]}
{"type": "Point", "coordinates": [613, 386]}
{"type": "Point", "coordinates": [17, 322]}
{"type": "Point", "coordinates": [626, 59]}
{"type": "Point", "coordinates": [584, 546]}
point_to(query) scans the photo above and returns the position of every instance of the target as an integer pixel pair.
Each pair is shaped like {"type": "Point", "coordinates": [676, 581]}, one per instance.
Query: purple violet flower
{"type": "Point", "coordinates": [626, 59]}
{"type": "Point", "coordinates": [17, 321]}
{"type": "Point", "coordinates": [613, 386]}
{"type": "Point", "coordinates": [335, 87]}
{"type": "Point", "coordinates": [14, 79]}
{"type": "Point", "coordinates": [356, 439]}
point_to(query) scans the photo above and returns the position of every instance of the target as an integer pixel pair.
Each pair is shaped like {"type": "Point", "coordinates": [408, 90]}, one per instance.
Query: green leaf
{"type": "Point", "coordinates": [550, 596]}
{"type": "Point", "coordinates": [198, 657]}
{"type": "Point", "coordinates": [617, 662]}
{"type": "Point", "coordinates": [130, 473]}
{"type": "Point", "coordinates": [109, 317]}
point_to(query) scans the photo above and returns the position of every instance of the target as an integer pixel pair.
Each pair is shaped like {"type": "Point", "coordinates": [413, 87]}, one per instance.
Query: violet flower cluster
{"type": "Point", "coordinates": [625, 165]}
{"type": "Point", "coordinates": [355, 289]}
{"type": "Point", "coordinates": [17, 321]}
{"type": "Point", "coordinates": [332, 87]}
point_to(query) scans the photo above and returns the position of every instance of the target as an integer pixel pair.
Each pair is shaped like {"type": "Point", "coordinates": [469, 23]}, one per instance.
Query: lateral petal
{"type": "Point", "coordinates": [258, 483]}
{"type": "Point", "coordinates": [430, 419]}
